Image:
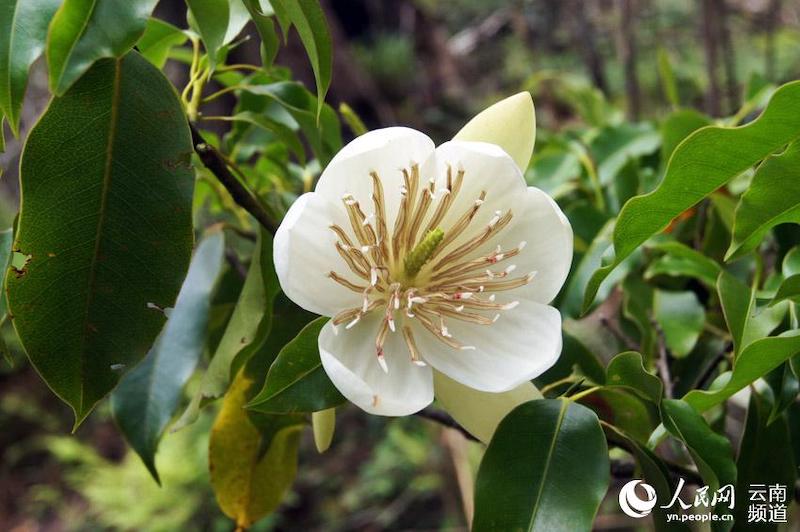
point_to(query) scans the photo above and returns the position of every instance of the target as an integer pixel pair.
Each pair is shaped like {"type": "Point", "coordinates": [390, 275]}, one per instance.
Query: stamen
{"type": "Point", "coordinates": [344, 282]}
{"type": "Point", "coordinates": [462, 222]}
{"type": "Point", "coordinates": [412, 346]}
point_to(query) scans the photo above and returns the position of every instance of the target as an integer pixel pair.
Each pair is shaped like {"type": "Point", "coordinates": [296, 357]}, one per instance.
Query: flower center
{"type": "Point", "coordinates": [428, 274]}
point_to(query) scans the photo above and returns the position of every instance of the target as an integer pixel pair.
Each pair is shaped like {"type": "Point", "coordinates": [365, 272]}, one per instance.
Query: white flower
{"type": "Point", "coordinates": [426, 258]}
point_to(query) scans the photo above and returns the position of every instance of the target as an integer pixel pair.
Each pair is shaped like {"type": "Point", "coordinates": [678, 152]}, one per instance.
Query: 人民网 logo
{"type": "Point", "coordinates": [630, 501]}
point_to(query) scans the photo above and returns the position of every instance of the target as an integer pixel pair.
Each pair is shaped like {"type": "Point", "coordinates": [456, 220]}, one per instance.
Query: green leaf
{"type": "Point", "coordinates": [249, 326]}
{"type": "Point", "coordinates": [614, 146]}
{"type": "Point", "coordinates": [146, 398]}
{"type": "Point", "coordinates": [280, 126]}
{"type": "Point", "coordinates": [6, 243]}
{"type": "Point", "coordinates": [627, 370]}
{"type": "Point", "coordinates": [681, 260]}
{"type": "Point", "coordinates": [158, 40]}
{"type": "Point", "coordinates": [84, 31]}
{"type": "Point", "coordinates": [711, 452]}
{"type": "Point", "coordinates": [789, 289]}
{"type": "Point", "coordinates": [677, 126]}
{"type": "Point", "coordinates": [529, 478]}
{"type": "Point", "coordinates": [251, 467]}
{"type": "Point", "coordinates": [765, 456]}
{"type": "Point", "coordinates": [681, 317]}
{"type": "Point", "coordinates": [309, 20]}
{"type": "Point", "coordinates": [106, 226]}
{"type": "Point", "coordinates": [211, 18]}
{"type": "Point", "coordinates": [745, 322]}
{"type": "Point", "coordinates": [238, 17]}
{"type": "Point", "coordinates": [773, 198]}
{"type": "Point", "coordinates": [755, 361]}
{"type": "Point", "coordinates": [23, 31]}
{"type": "Point", "coordinates": [705, 161]}
{"type": "Point", "coordinates": [479, 412]}
{"type": "Point", "coordinates": [297, 382]}
{"type": "Point", "coordinates": [265, 28]}
{"type": "Point", "coordinates": [509, 123]}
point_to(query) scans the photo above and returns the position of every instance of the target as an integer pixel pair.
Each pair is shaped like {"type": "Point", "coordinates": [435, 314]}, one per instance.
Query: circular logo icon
{"type": "Point", "coordinates": [630, 501]}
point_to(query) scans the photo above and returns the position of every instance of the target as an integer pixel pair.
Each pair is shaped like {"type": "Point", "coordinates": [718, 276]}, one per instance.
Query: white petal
{"type": "Point", "coordinates": [479, 412]}
{"type": "Point", "coordinates": [386, 151]}
{"type": "Point", "coordinates": [304, 253]}
{"type": "Point", "coordinates": [486, 168]}
{"type": "Point", "coordinates": [350, 361]}
{"type": "Point", "coordinates": [548, 245]}
{"type": "Point", "coordinates": [520, 346]}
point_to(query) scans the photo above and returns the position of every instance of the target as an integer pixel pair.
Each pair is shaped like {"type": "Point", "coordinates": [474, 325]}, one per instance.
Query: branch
{"type": "Point", "coordinates": [443, 418]}
{"type": "Point", "coordinates": [662, 363]}
{"type": "Point", "coordinates": [215, 162]}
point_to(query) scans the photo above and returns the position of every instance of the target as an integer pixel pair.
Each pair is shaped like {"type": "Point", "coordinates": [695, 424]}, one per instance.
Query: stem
{"type": "Point", "coordinates": [580, 395]}
{"type": "Point", "coordinates": [215, 162]}
{"type": "Point", "coordinates": [221, 92]}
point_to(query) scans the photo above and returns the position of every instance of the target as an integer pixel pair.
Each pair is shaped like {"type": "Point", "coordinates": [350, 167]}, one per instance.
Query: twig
{"type": "Point", "coordinates": [662, 363]}
{"type": "Point", "coordinates": [215, 162]}
{"type": "Point", "coordinates": [444, 418]}
{"type": "Point", "coordinates": [705, 378]}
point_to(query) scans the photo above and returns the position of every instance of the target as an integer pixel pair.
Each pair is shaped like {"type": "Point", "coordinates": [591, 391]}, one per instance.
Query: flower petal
{"type": "Point", "coordinates": [349, 360]}
{"type": "Point", "coordinates": [487, 168]}
{"type": "Point", "coordinates": [521, 345]}
{"type": "Point", "coordinates": [385, 151]}
{"type": "Point", "coordinates": [548, 245]}
{"type": "Point", "coordinates": [305, 252]}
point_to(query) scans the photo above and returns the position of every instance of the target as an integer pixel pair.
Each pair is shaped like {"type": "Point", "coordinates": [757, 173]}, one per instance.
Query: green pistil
{"type": "Point", "coordinates": [422, 252]}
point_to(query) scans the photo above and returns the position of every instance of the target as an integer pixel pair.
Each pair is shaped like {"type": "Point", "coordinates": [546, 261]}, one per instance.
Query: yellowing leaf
{"type": "Point", "coordinates": [251, 468]}
{"type": "Point", "coordinates": [324, 425]}
{"type": "Point", "coordinates": [510, 123]}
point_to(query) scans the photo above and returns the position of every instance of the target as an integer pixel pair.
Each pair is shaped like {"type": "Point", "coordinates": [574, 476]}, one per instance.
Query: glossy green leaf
{"type": "Point", "coordinates": [614, 146]}
{"type": "Point", "coordinates": [773, 198]}
{"type": "Point", "coordinates": [681, 317]}
{"type": "Point", "coordinates": [627, 370]}
{"type": "Point", "coordinates": [479, 412]}
{"type": "Point", "coordinates": [106, 226]}
{"type": "Point", "coordinates": [681, 260]}
{"type": "Point", "coordinates": [509, 123]}
{"type": "Point", "coordinates": [297, 382]}
{"type": "Point", "coordinates": [158, 40]}
{"type": "Point", "coordinates": [705, 161]}
{"type": "Point", "coordinates": [755, 361]}
{"type": "Point", "coordinates": [147, 397]}
{"type": "Point", "coordinates": [248, 326]}
{"type": "Point", "coordinates": [282, 127]}
{"type": "Point", "coordinates": [529, 478]}
{"type": "Point", "coordinates": [637, 306]}
{"type": "Point", "coordinates": [765, 457]}
{"type": "Point", "coordinates": [309, 20]}
{"type": "Point", "coordinates": [711, 452]}
{"type": "Point", "coordinates": [238, 17]}
{"type": "Point", "coordinates": [785, 388]}
{"type": "Point", "coordinates": [23, 32]}
{"type": "Point", "coordinates": [251, 467]}
{"type": "Point", "coordinates": [84, 31]}
{"type": "Point", "coordinates": [211, 18]}
{"type": "Point", "coordinates": [789, 289]}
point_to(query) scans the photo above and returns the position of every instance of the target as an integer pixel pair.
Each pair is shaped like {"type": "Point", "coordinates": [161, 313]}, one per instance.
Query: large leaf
{"type": "Point", "coordinates": [773, 198]}
{"type": "Point", "coordinates": [251, 467]}
{"type": "Point", "coordinates": [765, 457]}
{"type": "Point", "coordinates": [479, 412]}
{"type": "Point", "coordinates": [529, 478]}
{"type": "Point", "coordinates": [266, 29]}
{"type": "Point", "coordinates": [296, 381]}
{"type": "Point", "coordinates": [509, 123]}
{"type": "Point", "coordinates": [681, 260]}
{"type": "Point", "coordinates": [248, 327]}
{"type": "Point", "coordinates": [746, 323]}
{"type": "Point", "coordinates": [83, 31]}
{"type": "Point", "coordinates": [677, 126]}
{"type": "Point", "coordinates": [309, 20]}
{"type": "Point", "coordinates": [211, 18]}
{"type": "Point", "coordinates": [23, 31]}
{"type": "Point", "coordinates": [105, 225]}
{"type": "Point", "coordinates": [147, 396]}
{"type": "Point", "coordinates": [158, 40]}
{"type": "Point", "coordinates": [681, 317]}
{"type": "Point", "coordinates": [755, 361]}
{"type": "Point", "coordinates": [706, 160]}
